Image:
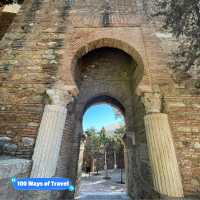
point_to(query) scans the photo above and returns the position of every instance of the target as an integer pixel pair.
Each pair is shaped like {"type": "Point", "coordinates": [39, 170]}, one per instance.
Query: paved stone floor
{"type": "Point", "coordinates": [103, 196]}
{"type": "Point", "coordinates": [97, 188]}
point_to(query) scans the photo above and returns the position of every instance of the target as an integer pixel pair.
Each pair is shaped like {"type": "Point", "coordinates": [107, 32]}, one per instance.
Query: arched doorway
{"type": "Point", "coordinates": [108, 75]}
{"type": "Point", "coordinates": [101, 159]}
{"type": "Point", "coordinates": [100, 70]}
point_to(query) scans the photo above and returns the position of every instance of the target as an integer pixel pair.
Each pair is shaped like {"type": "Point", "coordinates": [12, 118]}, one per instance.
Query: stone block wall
{"type": "Point", "coordinates": [38, 49]}
{"type": "Point", "coordinates": [144, 178]}
{"type": "Point", "coordinates": [184, 116]}
{"type": "Point", "coordinates": [12, 167]}
{"type": "Point", "coordinates": [104, 72]}
{"type": "Point", "coordinates": [29, 60]}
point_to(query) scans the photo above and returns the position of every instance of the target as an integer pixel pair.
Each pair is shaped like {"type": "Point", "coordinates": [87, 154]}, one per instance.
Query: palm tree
{"type": "Point", "coordinates": [118, 144]}
{"type": "Point", "coordinates": [104, 141]}
{"type": "Point", "coordinates": [92, 146]}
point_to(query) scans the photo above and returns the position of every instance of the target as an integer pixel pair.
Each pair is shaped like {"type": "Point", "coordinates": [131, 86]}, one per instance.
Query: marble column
{"type": "Point", "coordinates": [81, 154]}
{"type": "Point", "coordinates": [131, 171]}
{"type": "Point", "coordinates": [48, 143]}
{"type": "Point", "coordinates": [166, 176]}
{"type": "Point", "coordinates": [80, 164]}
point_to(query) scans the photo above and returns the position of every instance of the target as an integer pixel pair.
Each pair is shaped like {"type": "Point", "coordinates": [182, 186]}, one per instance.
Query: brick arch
{"type": "Point", "coordinates": [121, 91]}
{"type": "Point", "coordinates": [140, 71]}
{"type": "Point", "coordinates": [108, 42]}
{"type": "Point", "coordinates": [105, 98]}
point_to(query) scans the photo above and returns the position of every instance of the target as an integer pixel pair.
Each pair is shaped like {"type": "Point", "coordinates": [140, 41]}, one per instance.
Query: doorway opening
{"type": "Point", "coordinates": [101, 158]}
{"type": "Point", "coordinates": [109, 76]}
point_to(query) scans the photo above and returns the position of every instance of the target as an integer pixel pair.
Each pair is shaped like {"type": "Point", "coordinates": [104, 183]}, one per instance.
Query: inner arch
{"type": "Point", "coordinates": [112, 44]}
{"type": "Point", "coordinates": [106, 73]}
{"type": "Point", "coordinates": [105, 99]}
{"type": "Point", "coordinates": [104, 128]}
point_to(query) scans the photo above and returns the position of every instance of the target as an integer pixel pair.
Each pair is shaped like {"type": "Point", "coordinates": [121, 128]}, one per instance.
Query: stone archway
{"type": "Point", "coordinates": [141, 76]}
{"type": "Point", "coordinates": [101, 75]}
{"type": "Point", "coordinates": [106, 70]}
{"type": "Point", "coordinates": [102, 186]}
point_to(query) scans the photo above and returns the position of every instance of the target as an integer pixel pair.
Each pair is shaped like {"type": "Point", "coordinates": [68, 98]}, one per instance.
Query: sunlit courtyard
{"type": "Point", "coordinates": [97, 187]}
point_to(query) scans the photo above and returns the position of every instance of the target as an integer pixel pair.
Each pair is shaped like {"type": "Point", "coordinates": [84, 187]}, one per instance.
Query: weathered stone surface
{"type": "Point", "coordinates": [152, 102]}
{"type": "Point", "coordinates": [10, 149]}
{"type": "Point", "coordinates": [185, 124]}
{"type": "Point", "coordinates": [45, 43]}
{"type": "Point", "coordinates": [5, 139]}
{"type": "Point", "coordinates": [48, 142]}
{"type": "Point", "coordinates": [59, 94]}
{"type": "Point", "coordinates": [197, 145]}
{"type": "Point", "coordinates": [26, 141]}
{"type": "Point", "coordinates": [12, 167]}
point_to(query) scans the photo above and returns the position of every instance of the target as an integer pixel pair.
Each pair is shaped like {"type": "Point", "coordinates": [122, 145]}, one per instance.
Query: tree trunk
{"type": "Point", "coordinates": [115, 160]}
{"type": "Point", "coordinates": [105, 165]}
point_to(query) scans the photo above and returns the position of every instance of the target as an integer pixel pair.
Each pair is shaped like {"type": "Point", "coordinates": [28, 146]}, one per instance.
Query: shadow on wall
{"type": "Point", "coordinates": [6, 19]}
{"type": "Point", "coordinates": [7, 15]}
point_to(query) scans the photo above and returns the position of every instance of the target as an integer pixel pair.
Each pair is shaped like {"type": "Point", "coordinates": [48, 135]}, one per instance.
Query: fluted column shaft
{"type": "Point", "coordinates": [165, 171]}
{"type": "Point", "coordinates": [81, 154]}
{"type": "Point", "coordinates": [48, 141]}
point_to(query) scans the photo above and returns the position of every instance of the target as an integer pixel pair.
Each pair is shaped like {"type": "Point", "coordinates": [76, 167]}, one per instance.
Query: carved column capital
{"type": "Point", "coordinates": [152, 102]}
{"type": "Point", "coordinates": [60, 94]}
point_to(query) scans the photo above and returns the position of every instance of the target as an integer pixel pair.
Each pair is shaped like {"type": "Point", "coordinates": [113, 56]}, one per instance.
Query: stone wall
{"type": "Point", "coordinates": [42, 46]}
{"type": "Point", "coordinates": [29, 59]}
{"type": "Point", "coordinates": [103, 75]}
{"type": "Point", "coordinates": [184, 118]}
{"type": "Point", "coordinates": [12, 167]}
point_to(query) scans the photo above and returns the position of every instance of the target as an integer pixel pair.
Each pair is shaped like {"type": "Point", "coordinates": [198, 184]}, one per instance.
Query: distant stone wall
{"type": "Point", "coordinates": [100, 160]}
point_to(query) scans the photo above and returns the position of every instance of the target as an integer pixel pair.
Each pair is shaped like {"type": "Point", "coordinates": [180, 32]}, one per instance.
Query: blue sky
{"type": "Point", "coordinates": [101, 115]}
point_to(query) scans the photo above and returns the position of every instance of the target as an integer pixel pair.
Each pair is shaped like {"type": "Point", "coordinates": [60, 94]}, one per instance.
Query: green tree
{"type": "Point", "coordinates": [182, 18]}
{"type": "Point", "coordinates": [120, 132]}
{"type": "Point", "coordinates": [103, 137]}
{"type": "Point", "coordinates": [104, 142]}
{"type": "Point", "coordinates": [90, 131]}
{"type": "Point", "coordinates": [93, 142]}
{"type": "Point", "coordinates": [118, 141]}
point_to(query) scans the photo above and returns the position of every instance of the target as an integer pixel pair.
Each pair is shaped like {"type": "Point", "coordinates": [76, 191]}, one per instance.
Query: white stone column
{"type": "Point", "coordinates": [115, 160]}
{"type": "Point", "coordinates": [166, 176]}
{"type": "Point", "coordinates": [80, 164]}
{"type": "Point", "coordinates": [48, 143]}
{"type": "Point", "coordinates": [81, 154]}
